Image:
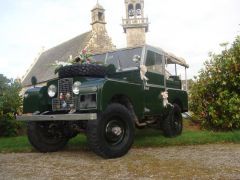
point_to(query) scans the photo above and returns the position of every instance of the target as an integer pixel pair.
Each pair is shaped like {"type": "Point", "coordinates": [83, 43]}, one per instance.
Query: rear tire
{"type": "Point", "coordinates": [112, 134]}
{"type": "Point", "coordinates": [46, 136]}
{"type": "Point", "coordinates": [172, 124]}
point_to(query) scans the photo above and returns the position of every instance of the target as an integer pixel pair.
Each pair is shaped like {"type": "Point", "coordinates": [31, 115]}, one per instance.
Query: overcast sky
{"type": "Point", "coordinates": [188, 28]}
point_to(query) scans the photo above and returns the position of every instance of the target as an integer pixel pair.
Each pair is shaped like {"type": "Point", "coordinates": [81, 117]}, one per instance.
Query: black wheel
{"type": "Point", "coordinates": [172, 124]}
{"type": "Point", "coordinates": [112, 134]}
{"type": "Point", "coordinates": [93, 70]}
{"type": "Point", "coordinates": [46, 136]}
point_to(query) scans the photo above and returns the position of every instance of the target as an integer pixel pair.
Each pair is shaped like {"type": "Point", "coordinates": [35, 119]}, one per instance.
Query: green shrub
{"type": "Point", "coordinates": [10, 103]}
{"type": "Point", "coordinates": [215, 94]}
{"type": "Point", "coordinates": [9, 126]}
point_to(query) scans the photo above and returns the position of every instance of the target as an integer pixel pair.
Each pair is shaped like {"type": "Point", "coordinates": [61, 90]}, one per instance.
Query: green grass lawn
{"type": "Point", "coordinates": [143, 138]}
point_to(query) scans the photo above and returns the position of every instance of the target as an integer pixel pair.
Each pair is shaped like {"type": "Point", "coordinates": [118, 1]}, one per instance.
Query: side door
{"type": "Point", "coordinates": [154, 86]}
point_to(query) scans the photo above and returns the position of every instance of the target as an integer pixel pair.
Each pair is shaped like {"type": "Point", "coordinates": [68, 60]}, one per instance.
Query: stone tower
{"type": "Point", "coordinates": [135, 25]}
{"type": "Point", "coordinates": [100, 41]}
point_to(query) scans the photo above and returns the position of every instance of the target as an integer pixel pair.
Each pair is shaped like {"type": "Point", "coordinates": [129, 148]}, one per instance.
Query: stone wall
{"type": "Point", "coordinates": [100, 40]}
{"type": "Point", "coordinates": [135, 37]}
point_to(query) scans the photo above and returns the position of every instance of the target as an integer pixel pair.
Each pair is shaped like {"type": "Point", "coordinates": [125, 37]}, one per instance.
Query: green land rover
{"type": "Point", "coordinates": [107, 106]}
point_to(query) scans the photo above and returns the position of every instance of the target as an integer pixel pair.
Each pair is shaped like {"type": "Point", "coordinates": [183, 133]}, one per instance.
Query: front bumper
{"type": "Point", "coordinates": [58, 117]}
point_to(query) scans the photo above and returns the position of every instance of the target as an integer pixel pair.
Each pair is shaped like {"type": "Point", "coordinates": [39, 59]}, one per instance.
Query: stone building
{"type": "Point", "coordinates": [96, 40]}
{"type": "Point", "coordinates": [135, 25]}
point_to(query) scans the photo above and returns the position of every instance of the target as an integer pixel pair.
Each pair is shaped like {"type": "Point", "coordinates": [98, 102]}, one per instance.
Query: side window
{"type": "Point", "coordinates": [138, 10]}
{"type": "Point", "coordinates": [159, 63]}
{"type": "Point", "coordinates": [130, 10]}
{"type": "Point", "coordinates": [154, 62]}
{"type": "Point", "coordinates": [100, 16]}
{"type": "Point", "coordinates": [150, 59]}
{"type": "Point", "coordinates": [159, 59]}
{"type": "Point", "coordinates": [100, 58]}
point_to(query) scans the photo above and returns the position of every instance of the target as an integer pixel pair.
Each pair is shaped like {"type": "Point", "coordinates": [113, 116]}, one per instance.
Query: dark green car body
{"type": "Point", "coordinates": [144, 95]}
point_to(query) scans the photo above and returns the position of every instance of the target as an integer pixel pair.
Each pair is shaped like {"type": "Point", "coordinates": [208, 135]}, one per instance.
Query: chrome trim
{"type": "Point", "coordinates": [143, 58]}
{"type": "Point", "coordinates": [114, 80]}
{"type": "Point", "coordinates": [89, 89]}
{"type": "Point", "coordinates": [127, 69]}
{"type": "Point", "coordinates": [164, 72]}
{"type": "Point", "coordinates": [186, 80]}
{"type": "Point", "coordinates": [121, 49]}
{"type": "Point", "coordinates": [159, 86]}
{"type": "Point", "coordinates": [56, 117]}
{"type": "Point", "coordinates": [154, 85]}
{"type": "Point", "coordinates": [175, 89]}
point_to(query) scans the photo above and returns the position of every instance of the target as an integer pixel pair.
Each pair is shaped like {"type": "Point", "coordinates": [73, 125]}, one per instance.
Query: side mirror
{"type": "Point", "coordinates": [34, 81]}
{"type": "Point", "coordinates": [136, 59]}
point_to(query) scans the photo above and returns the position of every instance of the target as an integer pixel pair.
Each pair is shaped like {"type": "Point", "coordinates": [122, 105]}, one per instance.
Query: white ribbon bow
{"type": "Point", "coordinates": [143, 71]}
{"type": "Point", "coordinates": [165, 98]}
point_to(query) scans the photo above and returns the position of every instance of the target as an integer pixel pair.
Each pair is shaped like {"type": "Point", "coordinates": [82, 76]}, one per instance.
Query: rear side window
{"type": "Point", "coordinates": [150, 58]}
{"type": "Point", "coordinates": [154, 62]}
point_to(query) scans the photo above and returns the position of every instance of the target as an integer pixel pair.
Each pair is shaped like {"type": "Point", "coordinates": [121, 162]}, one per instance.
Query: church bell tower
{"type": "Point", "coordinates": [98, 17]}
{"type": "Point", "coordinates": [100, 40]}
{"type": "Point", "coordinates": [135, 25]}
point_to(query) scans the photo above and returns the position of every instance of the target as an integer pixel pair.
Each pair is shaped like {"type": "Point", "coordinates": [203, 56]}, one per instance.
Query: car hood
{"type": "Point", "coordinates": [85, 81]}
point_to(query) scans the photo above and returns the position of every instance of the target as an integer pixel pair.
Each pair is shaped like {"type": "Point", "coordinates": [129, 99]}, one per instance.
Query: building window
{"type": "Point", "coordinates": [130, 10]}
{"type": "Point", "coordinates": [138, 9]}
{"type": "Point", "coordinates": [100, 16]}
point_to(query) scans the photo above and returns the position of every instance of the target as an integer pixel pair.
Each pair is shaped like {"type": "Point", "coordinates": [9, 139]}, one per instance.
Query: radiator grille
{"type": "Point", "coordinates": [65, 100]}
{"type": "Point", "coordinates": [65, 86]}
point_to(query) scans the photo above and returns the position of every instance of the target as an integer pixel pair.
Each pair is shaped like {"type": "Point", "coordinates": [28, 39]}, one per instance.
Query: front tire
{"type": "Point", "coordinates": [46, 136]}
{"type": "Point", "coordinates": [112, 134]}
{"type": "Point", "coordinates": [172, 124]}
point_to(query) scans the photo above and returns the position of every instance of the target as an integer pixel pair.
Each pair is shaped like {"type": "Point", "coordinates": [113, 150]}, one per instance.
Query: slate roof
{"type": "Point", "coordinates": [42, 69]}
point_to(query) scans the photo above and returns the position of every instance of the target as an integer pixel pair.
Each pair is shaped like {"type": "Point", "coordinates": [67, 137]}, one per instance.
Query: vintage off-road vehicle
{"type": "Point", "coordinates": [107, 105]}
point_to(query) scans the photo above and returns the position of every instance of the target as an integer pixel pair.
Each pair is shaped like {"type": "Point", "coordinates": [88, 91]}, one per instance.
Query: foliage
{"type": "Point", "coordinates": [10, 103]}
{"type": "Point", "coordinates": [84, 57]}
{"type": "Point", "coordinates": [215, 95]}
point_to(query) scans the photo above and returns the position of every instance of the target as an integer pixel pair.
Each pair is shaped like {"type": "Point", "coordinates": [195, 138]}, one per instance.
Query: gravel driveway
{"type": "Point", "coordinates": [221, 161]}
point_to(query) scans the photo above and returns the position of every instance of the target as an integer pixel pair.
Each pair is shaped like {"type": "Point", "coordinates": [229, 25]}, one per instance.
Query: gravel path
{"type": "Point", "coordinates": [221, 161]}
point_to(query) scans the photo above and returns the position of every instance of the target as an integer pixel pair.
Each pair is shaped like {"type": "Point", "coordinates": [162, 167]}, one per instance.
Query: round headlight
{"type": "Point", "coordinates": [52, 90]}
{"type": "Point", "coordinates": [76, 87]}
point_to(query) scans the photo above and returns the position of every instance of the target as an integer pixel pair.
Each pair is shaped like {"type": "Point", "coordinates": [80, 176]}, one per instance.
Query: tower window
{"type": "Point", "coordinates": [130, 10]}
{"type": "Point", "coordinates": [138, 9]}
{"type": "Point", "coordinates": [100, 16]}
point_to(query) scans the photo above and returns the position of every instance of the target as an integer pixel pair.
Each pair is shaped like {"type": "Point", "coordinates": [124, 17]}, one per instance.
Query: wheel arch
{"type": "Point", "coordinates": [122, 99]}
{"type": "Point", "coordinates": [123, 93]}
{"type": "Point", "coordinates": [179, 103]}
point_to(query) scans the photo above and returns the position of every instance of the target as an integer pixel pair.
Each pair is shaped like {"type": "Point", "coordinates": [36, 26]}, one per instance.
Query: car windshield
{"type": "Point", "coordinates": [122, 59]}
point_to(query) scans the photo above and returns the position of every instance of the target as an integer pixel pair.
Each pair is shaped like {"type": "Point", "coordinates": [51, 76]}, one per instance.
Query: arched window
{"type": "Point", "coordinates": [138, 9]}
{"type": "Point", "coordinates": [100, 16]}
{"type": "Point", "coordinates": [130, 10]}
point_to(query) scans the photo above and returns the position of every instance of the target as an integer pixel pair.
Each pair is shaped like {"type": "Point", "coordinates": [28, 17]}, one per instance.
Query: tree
{"type": "Point", "coordinates": [215, 94]}
{"type": "Point", "coordinates": [10, 103]}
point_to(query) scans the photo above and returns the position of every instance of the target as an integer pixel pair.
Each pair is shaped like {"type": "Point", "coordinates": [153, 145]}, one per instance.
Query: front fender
{"type": "Point", "coordinates": [133, 91]}
{"type": "Point", "coordinates": [36, 99]}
